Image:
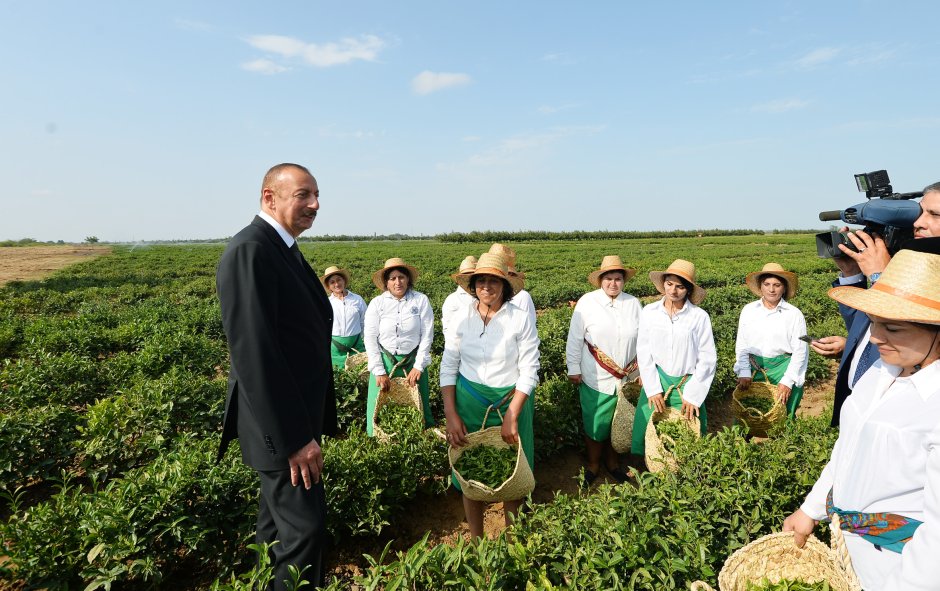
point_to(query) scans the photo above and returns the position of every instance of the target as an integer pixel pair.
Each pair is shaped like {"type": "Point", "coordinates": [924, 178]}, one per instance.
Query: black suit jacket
{"type": "Point", "coordinates": [277, 321]}
{"type": "Point", "coordinates": [856, 324]}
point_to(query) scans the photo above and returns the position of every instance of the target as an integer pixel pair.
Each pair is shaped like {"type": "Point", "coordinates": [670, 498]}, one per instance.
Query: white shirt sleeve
{"type": "Point", "coordinates": [742, 361]}
{"type": "Point", "coordinates": [575, 340]}
{"type": "Point", "coordinates": [371, 337]}
{"type": "Point", "coordinates": [423, 359]}
{"type": "Point", "coordinates": [696, 389]}
{"type": "Point", "coordinates": [796, 370]}
{"type": "Point", "coordinates": [528, 344]}
{"type": "Point", "coordinates": [644, 354]}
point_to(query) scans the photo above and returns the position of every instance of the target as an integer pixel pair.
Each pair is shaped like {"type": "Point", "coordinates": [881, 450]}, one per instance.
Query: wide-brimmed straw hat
{"type": "Point", "coordinates": [610, 262]}
{"type": "Point", "coordinates": [395, 263]}
{"type": "Point", "coordinates": [684, 269]}
{"type": "Point", "coordinates": [334, 270]}
{"type": "Point", "coordinates": [508, 254]}
{"type": "Point", "coordinates": [467, 265]}
{"type": "Point", "coordinates": [908, 290]}
{"type": "Point", "coordinates": [491, 264]}
{"type": "Point", "coordinates": [776, 270]}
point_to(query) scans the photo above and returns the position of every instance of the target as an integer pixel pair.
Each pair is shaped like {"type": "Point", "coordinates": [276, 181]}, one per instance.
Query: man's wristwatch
{"type": "Point", "coordinates": [874, 277]}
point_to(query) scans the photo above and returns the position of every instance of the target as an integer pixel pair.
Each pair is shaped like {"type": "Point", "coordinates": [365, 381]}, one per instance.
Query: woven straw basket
{"type": "Point", "coordinates": [358, 361]}
{"type": "Point", "coordinates": [776, 557]}
{"type": "Point", "coordinates": [657, 458]}
{"type": "Point", "coordinates": [621, 429]}
{"type": "Point", "coordinates": [517, 486]}
{"type": "Point", "coordinates": [399, 392]}
{"type": "Point", "coordinates": [758, 423]}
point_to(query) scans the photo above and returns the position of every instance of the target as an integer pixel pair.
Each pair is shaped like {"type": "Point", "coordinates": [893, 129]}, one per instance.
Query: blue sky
{"type": "Point", "coordinates": [156, 120]}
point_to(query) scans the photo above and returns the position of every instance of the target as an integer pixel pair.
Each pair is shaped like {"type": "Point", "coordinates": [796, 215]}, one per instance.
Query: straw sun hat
{"type": "Point", "coordinates": [334, 270]}
{"type": "Point", "coordinates": [395, 263]}
{"type": "Point", "coordinates": [508, 254]}
{"type": "Point", "coordinates": [490, 264]}
{"type": "Point", "coordinates": [776, 270]}
{"type": "Point", "coordinates": [684, 269]}
{"type": "Point", "coordinates": [908, 290]}
{"type": "Point", "coordinates": [467, 265]}
{"type": "Point", "coordinates": [611, 262]}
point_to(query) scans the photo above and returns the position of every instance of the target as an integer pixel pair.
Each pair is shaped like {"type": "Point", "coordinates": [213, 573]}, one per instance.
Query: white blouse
{"type": "Point", "coordinates": [349, 314]}
{"type": "Point", "coordinates": [523, 301]}
{"type": "Point", "coordinates": [681, 345]}
{"type": "Point", "coordinates": [770, 333]}
{"type": "Point", "coordinates": [452, 306]}
{"type": "Point", "coordinates": [500, 354]}
{"type": "Point", "coordinates": [400, 326]}
{"type": "Point", "coordinates": [887, 459]}
{"type": "Point", "coordinates": [610, 325]}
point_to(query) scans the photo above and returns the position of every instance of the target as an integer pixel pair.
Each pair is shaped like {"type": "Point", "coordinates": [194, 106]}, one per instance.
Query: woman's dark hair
{"type": "Point", "coordinates": [763, 276]}
{"type": "Point", "coordinates": [507, 289]}
{"type": "Point", "coordinates": [685, 282]}
{"type": "Point", "coordinates": [387, 272]}
{"type": "Point", "coordinates": [618, 271]}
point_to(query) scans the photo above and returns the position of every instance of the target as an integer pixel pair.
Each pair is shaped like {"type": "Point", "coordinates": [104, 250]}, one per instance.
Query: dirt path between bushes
{"type": "Point", "coordinates": [21, 263]}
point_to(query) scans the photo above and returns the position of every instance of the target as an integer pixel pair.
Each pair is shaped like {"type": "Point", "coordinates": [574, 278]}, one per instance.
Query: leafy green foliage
{"type": "Point", "coordinates": [488, 464]}
{"type": "Point", "coordinates": [787, 585]}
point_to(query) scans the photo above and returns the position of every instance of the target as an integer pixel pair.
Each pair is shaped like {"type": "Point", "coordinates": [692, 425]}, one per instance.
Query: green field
{"type": "Point", "coordinates": [111, 394]}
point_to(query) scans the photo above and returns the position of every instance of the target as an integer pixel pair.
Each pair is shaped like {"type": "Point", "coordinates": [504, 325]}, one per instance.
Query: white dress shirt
{"type": "Point", "coordinates": [349, 314]}
{"type": "Point", "coordinates": [400, 326]}
{"type": "Point", "coordinates": [523, 301]}
{"type": "Point", "coordinates": [284, 234]}
{"type": "Point", "coordinates": [769, 333]}
{"type": "Point", "coordinates": [887, 459]}
{"type": "Point", "coordinates": [500, 354]}
{"type": "Point", "coordinates": [679, 345]}
{"type": "Point", "coordinates": [452, 306]}
{"type": "Point", "coordinates": [611, 326]}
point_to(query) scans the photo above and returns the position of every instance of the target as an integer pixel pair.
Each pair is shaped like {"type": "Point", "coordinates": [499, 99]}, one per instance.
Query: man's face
{"type": "Point", "coordinates": [928, 224]}
{"type": "Point", "coordinates": [293, 200]}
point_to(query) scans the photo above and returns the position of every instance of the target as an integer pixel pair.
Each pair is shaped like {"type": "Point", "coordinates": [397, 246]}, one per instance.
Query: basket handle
{"type": "Point", "coordinates": [700, 586]}
{"type": "Point", "coordinates": [486, 415]}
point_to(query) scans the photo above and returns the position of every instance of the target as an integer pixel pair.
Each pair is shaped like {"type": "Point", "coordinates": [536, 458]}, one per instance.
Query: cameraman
{"type": "Point", "coordinates": [857, 269]}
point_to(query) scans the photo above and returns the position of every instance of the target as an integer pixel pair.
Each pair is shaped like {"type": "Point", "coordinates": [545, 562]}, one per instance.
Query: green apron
{"type": "Point", "coordinates": [343, 347]}
{"type": "Point", "coordinates": [597, 412]}
{"type": "Point", "coordinates": [774, 368]}
{"type": "Point", "coordinates": [672, 389]}
{"type": "Point", "coordinates": [389, 361]}
{"type": "Point", "coordinates": [471, 408]}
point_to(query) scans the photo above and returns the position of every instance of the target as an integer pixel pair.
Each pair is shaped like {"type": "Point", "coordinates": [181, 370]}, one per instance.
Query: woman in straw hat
{"type": "Point", "coordinates": [769, 331]}
{"type": "Point", "coordinates": [675, 350]}
{"type": "Point", "coordinates": [398, 332]}
{"type": "Point", "coordinates": [601, 354]}
{"type": "Point", "coordinates": [523, 299]}
{"type": "Point", "coordinates": [349, 314]}
{"type": "Point", "coordinates": [883, 478]}
{"type": "Point", "coordinates": [490, 361]}
{"type": "Point", "coordinates": [459, 299]}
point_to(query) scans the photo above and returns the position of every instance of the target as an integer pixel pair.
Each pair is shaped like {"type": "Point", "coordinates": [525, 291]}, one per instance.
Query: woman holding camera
{"type": "Point", "coordinates": [883, 477]}
{"type": "Point", "coordinates": [769, 345]}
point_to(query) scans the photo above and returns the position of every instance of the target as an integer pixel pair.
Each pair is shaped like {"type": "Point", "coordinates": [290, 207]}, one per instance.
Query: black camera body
{"type": "Point", "coordinates": [886, 213]}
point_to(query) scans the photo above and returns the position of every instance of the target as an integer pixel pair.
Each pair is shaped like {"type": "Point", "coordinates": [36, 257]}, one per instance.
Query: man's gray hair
{"type": "Point", "coordinates": [935, 187]}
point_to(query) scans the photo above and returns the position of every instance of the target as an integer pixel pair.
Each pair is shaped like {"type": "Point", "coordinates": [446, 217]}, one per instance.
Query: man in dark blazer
{"type": "Point", "coordinates": [280, 400]}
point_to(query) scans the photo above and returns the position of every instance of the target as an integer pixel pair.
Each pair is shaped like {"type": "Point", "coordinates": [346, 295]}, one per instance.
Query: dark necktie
{"type": "Point", "coordinates": [298, 255]}
{"type": "Point", "coordinates": [869, 355]}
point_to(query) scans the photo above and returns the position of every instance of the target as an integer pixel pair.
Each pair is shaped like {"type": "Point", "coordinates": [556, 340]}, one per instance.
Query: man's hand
{"type": "Point", "coordinates": [689, 410]}
{"type": "Point", "coordinates": [658, 402]}
{"type": "Point", "coordinates": [382, 382]}
{"type": "Point", "coordinates": [801, 524]}
{"type": "Point", "coordinates": [306, 463]}
{"type": "Point", "coordinates": [872, 255]}
{"type": "Point", "coordinates": [830, 347]}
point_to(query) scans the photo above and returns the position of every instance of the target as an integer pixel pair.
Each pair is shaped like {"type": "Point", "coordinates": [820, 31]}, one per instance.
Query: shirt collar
{"type": "Point", "coordinates": [284, 234]}
{"type": "Point", "coordinates": [388, 295]}
{"type": "Point", "coordinates": [926, 380]}
{"type": "Point", "coordinates": [685, 308]}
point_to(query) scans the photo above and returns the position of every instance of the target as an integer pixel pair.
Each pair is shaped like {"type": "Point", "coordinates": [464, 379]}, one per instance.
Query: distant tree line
{"type": "Point", "coordinates": [577, 235]}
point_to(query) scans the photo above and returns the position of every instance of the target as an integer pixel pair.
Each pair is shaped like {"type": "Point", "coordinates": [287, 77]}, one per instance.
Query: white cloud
{"type": "Point", "coordinates": [427, 82]}
{"type": "Point", "coordinates": [558, 58]}
{"type": "Point", "coordinates": [330, 131]}
{"type": "Point", "coordinates": [347, 50]}
{"type": "Point", "coordinates": [780, 106]}
{"type": "Point", "coordinates": [41, 193]}
{"type": "Point", "coordinates": [550, 110]}
{"type": "Point", "coordinates": [471, 138]}
{"type": "Point", "coordinates": [818, 57]}
{"type": "Point", "coordinates": [188, 25]}
{"type": "Point", "coordinates": [873, 56]}
{"type": "Point", "coordinates": [263, 66]}
{"type": "Point", "coordinates": [516, 145]}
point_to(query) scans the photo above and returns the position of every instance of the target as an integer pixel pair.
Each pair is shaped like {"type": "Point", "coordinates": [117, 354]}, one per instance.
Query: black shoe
{"type": "Point", "coordinates": [618, 474]}
{"type": "Point", "coordinates": [589, 478]}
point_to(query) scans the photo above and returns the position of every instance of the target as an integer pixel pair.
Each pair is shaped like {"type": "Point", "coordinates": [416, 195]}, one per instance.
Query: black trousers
{"type": "Point", "coordinates": [296, 518]}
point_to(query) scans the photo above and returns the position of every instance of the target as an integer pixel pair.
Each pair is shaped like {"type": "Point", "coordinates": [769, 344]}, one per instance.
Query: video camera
{"type": "Point", "coordinates": [888, 214]}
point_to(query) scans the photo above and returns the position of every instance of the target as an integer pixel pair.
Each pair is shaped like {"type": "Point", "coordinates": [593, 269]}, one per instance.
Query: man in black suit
{"type": "Point", "coordinates": [280, 400]}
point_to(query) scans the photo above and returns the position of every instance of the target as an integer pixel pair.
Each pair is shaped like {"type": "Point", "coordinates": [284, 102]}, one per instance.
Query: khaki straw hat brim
{"type": "Point", "coordinates": [793, 283]}
{"type": "Point", "coordinates": [398, 264]}
{"type": "Point", "coordinates": [516, 283]}
{"type": "Point", "coordinates": [698, 292]}
{"type": "Point", "coordinates": [594, 278]}
{"type": "Point", "coordinates": [908, 290]}
{"type": "Point", "coordinates": [335, 271]}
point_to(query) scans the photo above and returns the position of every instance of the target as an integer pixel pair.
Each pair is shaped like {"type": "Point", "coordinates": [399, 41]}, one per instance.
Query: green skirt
{"type": "Point", "coordinates": [472, 411]}
{"type": "Point", "coordinates": [644, 410]}
{"type": "Point", "coordinates": [774, 368]}
{"type": "Point", "coordinates": [597, 412]}
{"type": "Point", "coordinates": [389, 361]}
{"type": "Point", "coordinates": [339, 355]}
